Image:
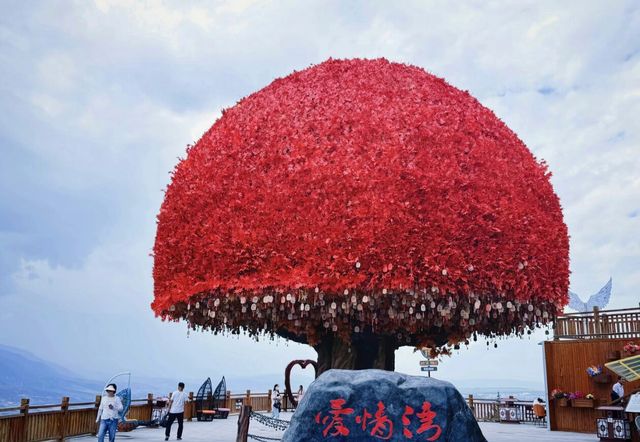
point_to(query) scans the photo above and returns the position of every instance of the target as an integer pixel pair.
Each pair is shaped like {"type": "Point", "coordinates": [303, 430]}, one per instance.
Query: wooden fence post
{"type": "Point", "coordinates": [191, 406]}
{"type": "Point", "coordinates": [269, 404]}
{"type": "Point", "coordinates": [284, 400]}
{"type": "Point", "coordinates": [596, 320]}
{"type": "Point", "coordinates": [247, 399]}
{"type": "Point", "coordinates": [243, 423]}
{"type": "Point", "coordinates": [97, 404]}
{"type": "Point", "coordinates": [64, 414]}
{"type": "Point", "coordinates": [150, 405]}
{"type": "Point", "coordinates": [471, 406]}
{"type": "Point", "coordinates": [24, 410]}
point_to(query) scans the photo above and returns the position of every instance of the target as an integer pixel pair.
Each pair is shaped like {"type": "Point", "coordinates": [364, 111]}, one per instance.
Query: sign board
{"type": "Point", "coordinates": [429, 368]}
{"type": "Point", "coordinates": [634, 404]}
{"type": "Point", "coordinates": [432, 362]}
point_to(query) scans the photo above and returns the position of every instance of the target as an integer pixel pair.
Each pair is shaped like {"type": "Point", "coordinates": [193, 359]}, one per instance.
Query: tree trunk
{"type": "Point", "coordinates": [365, 351]}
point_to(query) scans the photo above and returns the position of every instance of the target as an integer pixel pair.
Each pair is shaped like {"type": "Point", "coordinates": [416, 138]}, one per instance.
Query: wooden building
{"type": "Point", "coordinates": [582, 340]}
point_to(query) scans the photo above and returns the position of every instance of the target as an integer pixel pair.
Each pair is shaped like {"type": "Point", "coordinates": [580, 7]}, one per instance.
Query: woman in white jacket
{"type": "Point", "coordinates": [108, 413]}
{"type": "Point", "coordinates": [276, 402]}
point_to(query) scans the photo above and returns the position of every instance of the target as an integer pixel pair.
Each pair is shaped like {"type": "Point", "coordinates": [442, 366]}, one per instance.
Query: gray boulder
{"type": "Point", "coordinates": [370, 405]}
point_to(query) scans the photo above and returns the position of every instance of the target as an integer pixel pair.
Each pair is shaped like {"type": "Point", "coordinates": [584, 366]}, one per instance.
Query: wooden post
{"type": "Point", "coordinates": [227, 401]}
{"type": "Point", "coordinates": [471, 406]}
{"type": "Point", "coordinates": [243, 423]}
{"type": "Point", "coordinates": [191, 405]}
{"type": "Point", "coordinates": [284, 400]}
{"type": "Point", "coordinates": [150, 405]}
{"type": "Point", "coordinates": [24, 410]}
{"type": "Point", "coordinates": [596, 321]}
{"type": "Point", "coordinates": [269, 404]}
{"type": "Point", "coordinates": [64, 414]}
{"type": "Point", "coordinates": [247, 399]}
{"type": "Point", "coordinates": [97, 404]}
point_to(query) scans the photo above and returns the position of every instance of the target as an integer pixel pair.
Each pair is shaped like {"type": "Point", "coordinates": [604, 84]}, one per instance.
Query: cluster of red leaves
{"type": "Point", "coordinates": [362, 175]}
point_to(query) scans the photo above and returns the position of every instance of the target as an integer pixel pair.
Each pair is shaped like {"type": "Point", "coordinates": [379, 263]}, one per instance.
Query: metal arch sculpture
{"type": "Point", "coordinates": [203, 399]}
{"type": "Point", "coordinates": [287, 376]}
{"type": "Point", "coordinates": [220, 394]}
{"type": "Point", "coordinates": [125, 397]}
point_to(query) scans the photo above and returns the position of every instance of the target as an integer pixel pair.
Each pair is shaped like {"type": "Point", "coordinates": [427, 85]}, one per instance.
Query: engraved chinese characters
{"type": "Point", "coordinates": [369, 405]}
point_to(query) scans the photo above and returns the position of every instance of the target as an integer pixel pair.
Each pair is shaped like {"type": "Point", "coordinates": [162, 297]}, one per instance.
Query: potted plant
{"type": "Point", "coordinates": [631, 348]}
{"type": "Point", "coordinates": [613, 355]}
{"type": "Point", "coordinates": [580, 400]}
{"type": "Point", "coordinates": [597, 374]}
{"type": "Point", "coordinates": [594, 370]}
{"type": "Point", "coordinates": [602, 378]}
{"type": "Point", "coordinates": [560, 397]}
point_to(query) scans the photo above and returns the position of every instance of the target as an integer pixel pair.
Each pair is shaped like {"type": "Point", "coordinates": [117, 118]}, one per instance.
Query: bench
{"type": "Point", "coordinates": [209, 415]}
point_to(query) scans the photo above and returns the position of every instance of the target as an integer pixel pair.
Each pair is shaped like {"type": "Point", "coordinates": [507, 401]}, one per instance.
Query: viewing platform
{"type": "Point", "coordinates": [225, 431]}
{"type": "Point", "coordinates": [76, 422]}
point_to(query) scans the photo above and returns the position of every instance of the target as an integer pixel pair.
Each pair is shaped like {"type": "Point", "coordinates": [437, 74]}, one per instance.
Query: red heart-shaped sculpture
{"type": "Point", "coordinates": [287, 376]}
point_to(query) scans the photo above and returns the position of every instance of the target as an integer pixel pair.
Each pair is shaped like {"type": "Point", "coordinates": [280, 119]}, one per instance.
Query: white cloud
{"type": "Point", "coordinates": [96, 320]}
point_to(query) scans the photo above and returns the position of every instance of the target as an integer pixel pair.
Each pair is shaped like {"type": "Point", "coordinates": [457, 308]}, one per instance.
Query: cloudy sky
{"type": "Point", "coordinates": [99, 100]}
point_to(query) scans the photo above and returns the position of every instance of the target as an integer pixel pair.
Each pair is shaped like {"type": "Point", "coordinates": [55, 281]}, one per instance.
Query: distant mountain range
{"type": "Point", "coordinates": [23, 375]}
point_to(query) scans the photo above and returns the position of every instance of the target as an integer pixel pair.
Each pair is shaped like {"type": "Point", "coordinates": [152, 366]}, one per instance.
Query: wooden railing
{"type": "Point", "coordinates": [32, 423]}
{"type": "Point", "coordinates": [599, 324]}
{"type": "Point", "coordinates": [257, 401]}
{"type": "Point", "coordinates": [487, 410]}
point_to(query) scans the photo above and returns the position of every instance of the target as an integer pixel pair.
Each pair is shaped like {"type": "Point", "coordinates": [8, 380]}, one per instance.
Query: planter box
{"type": "Point", "coordinates": [582, 403]}
{"type": "Point", "coordinates": [602, 378]}
{"type": "Point", "coordinates": [613, 355]}
{"type": "Point", "coordinates": [564, 402]}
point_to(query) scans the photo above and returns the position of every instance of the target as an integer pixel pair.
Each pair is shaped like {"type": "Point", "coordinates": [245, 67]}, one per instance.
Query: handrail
{"type": "Point", "coordinates": [43, 406]}
{"type": "Point", "coordinates": [633, 333]}
{"type": "Point", "coordinates": [92, 404]}
{"type": "Point", "coordinates": [40, 407]}
{"type": "Point", "coordinates": [600, 311]}
{"type": "Point", "coordinates": [625, 397]}
{"type": "Point", "coordinates": [231, 396]}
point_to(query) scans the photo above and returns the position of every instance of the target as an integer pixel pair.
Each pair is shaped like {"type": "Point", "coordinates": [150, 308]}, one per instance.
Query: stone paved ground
{"type": "Point", "coordinates": [225, 431]}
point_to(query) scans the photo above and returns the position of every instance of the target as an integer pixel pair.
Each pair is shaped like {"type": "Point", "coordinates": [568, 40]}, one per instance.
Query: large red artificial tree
{"type": "Point", "coordinates": [358, 206]}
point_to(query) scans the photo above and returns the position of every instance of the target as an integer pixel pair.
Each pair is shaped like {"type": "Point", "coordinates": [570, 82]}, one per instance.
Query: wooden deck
{"type": "Point", "coordinates": [225, 431]}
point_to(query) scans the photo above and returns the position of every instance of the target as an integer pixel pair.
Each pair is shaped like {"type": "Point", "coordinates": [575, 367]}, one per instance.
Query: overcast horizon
{"type": "Point", "coordinates": [100, 100]}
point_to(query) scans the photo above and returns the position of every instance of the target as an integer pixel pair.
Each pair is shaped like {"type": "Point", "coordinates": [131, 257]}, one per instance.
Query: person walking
{"type": "Point", "coordinates": [617, 391]}
{"type": "Point", "coordinates": [176, 411]}
{"type": "Point", "coordinates": [300, 394]}
{"type": "Point", "coordinates": [276, 402]}
{"type": "Point", "coordinates": [108, 413]}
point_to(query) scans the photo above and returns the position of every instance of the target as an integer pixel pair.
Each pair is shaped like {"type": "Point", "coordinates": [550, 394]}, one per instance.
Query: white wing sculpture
{"type": "Point", "coordinates": [600, 299]}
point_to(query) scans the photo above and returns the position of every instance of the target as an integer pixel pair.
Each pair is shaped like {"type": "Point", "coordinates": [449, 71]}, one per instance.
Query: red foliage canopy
{"type": "Point", "coordinates": [361, 194]}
